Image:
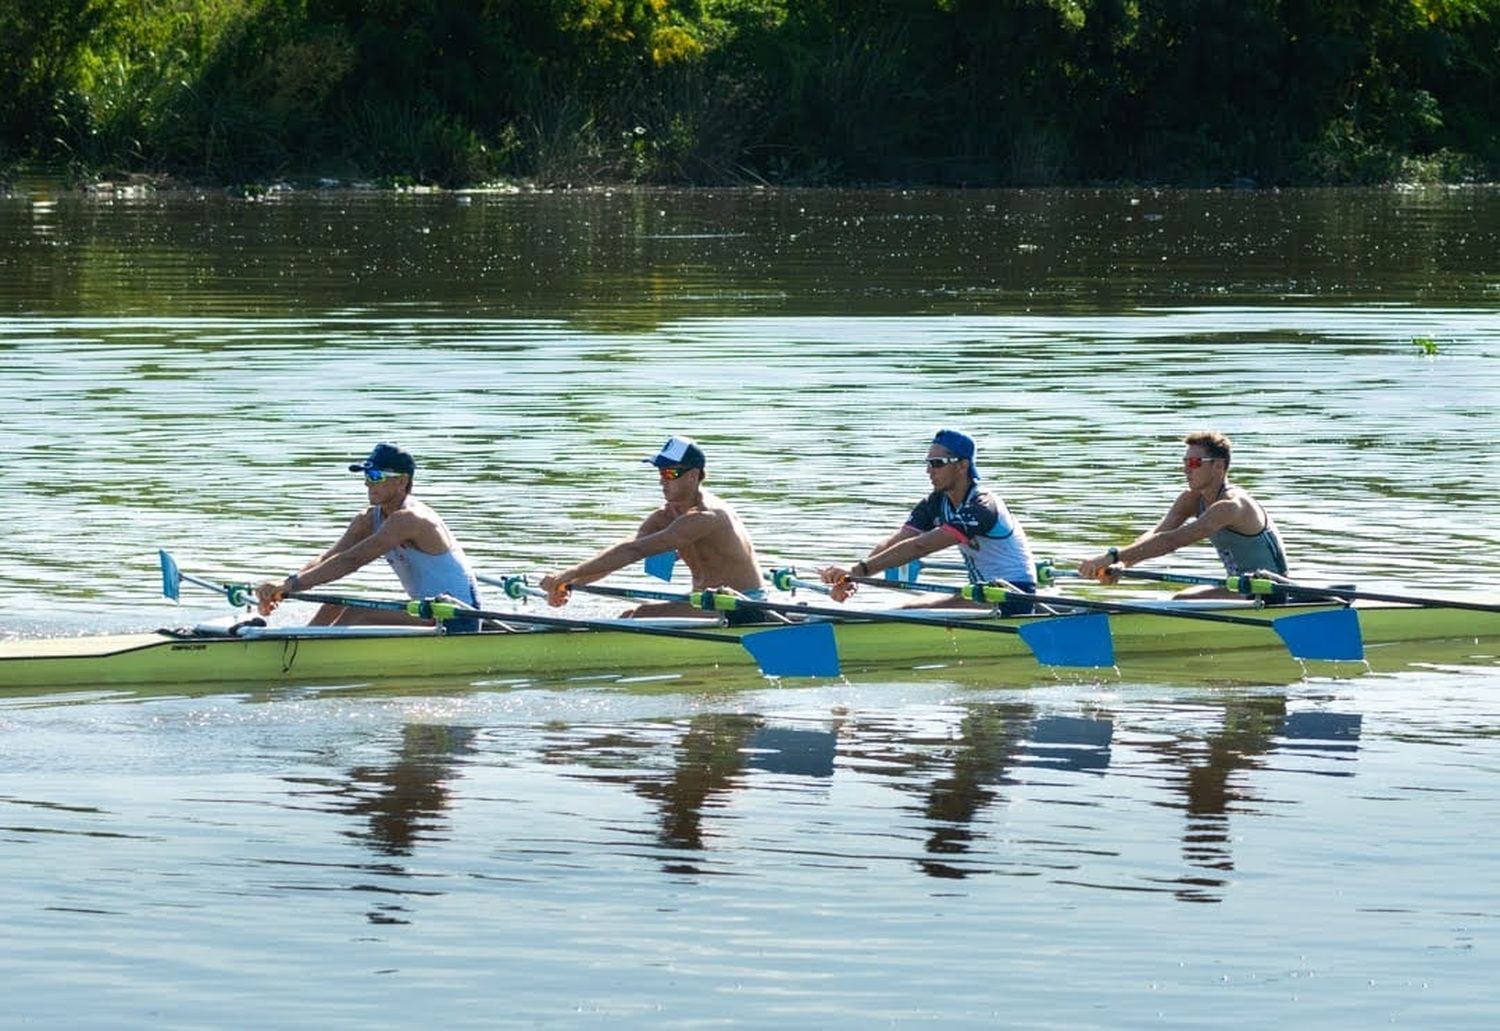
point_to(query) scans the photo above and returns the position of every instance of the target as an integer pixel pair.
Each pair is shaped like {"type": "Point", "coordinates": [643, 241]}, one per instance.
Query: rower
{"type": "Point", "coordinates": [397, 527]}
{"type": "Point", "coordinates": [1211, 508]}
{"type": "Point", "coordinates": [700, 527]}
{"type": "Point", "coordinates": [958, 513]}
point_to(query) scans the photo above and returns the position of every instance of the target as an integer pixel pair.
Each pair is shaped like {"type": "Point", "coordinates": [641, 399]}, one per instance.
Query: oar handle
{"type": "Point", "coordinates": [1046, 570]}
{"type": "Point", "coordinates": [786, 579]}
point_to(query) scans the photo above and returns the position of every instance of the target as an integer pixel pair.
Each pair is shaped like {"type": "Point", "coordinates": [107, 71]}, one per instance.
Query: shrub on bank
{"type": "Point", "coordinates": [709, 91]}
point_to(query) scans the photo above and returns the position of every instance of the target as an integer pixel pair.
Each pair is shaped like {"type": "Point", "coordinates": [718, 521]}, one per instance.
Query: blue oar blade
{"type": "Point", "coordinates": [171, 576]}
{"type": "Point", "coordinates": [807, 650]}
{"type": "Point", "coordinates": [661, 564]}
{"type": "Point", "coordinates": [1322, 635]}
{"type": "Point", "coordinates": [1071, 640]}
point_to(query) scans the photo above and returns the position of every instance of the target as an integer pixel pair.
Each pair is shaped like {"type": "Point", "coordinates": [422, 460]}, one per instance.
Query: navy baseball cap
{"type": "Point", "coordinates": [387, 458]}
{"type": "Point", "coordinates": [960, 444]}
{"type": "Point", "coordinates": [678, 451]}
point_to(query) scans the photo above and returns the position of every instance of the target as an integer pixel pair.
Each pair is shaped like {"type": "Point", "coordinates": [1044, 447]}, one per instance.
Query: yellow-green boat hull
{"type": "Point", "coordinates": [1393, 635]}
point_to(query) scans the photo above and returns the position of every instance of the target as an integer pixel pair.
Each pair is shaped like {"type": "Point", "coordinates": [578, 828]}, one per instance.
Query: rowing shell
{"type": "Point", "coordinates": [328, 654]}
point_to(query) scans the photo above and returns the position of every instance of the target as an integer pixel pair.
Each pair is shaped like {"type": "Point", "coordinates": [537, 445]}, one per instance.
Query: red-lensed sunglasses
{"type": "Point", "coordinates": [1196, 461]}
{"type": "Point", "coordinates": [671, 472]}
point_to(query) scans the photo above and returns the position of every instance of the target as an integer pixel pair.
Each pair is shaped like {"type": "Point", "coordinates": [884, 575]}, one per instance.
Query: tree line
{"type": "Point", "coordinates": [976, 92]}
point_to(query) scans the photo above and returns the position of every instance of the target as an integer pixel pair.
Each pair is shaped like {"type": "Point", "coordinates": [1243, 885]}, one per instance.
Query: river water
{"type": "Point", "coordinates": [919, 848]}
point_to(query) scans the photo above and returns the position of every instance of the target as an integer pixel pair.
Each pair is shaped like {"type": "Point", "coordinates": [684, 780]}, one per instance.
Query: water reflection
{"type": "Point", "coordinates": [401, 804]}
{"type": "Point", "coordinates": [950, 771]}
{"type": "Point", "coordinates": [404, 800]}
{"type": "Point", "coordinates": [1210, 774]}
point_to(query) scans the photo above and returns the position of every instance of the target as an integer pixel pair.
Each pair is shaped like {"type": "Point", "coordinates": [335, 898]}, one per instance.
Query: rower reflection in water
{"type": "Point", "coordinates": [397, 527]}
{"type": "Point", "coordinates": [403, 802]}
{"type": "Point", "coordinates": [710, 760]}
{"type": "Point", "coordinates": [1212, 786]}
{"type": "Point", "coordinates": [974, 764]}
{"type": "Point", "coordinates": [695, 523]}
{"type": "Point", "coordinates": [1211, 507]}
{"type": "Point", "coordinates": [991, 738]}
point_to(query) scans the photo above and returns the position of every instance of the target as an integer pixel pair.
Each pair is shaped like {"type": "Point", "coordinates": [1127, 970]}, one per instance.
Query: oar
{"type": "Point", "coordinates": [519, 587]}
{"type": "Point", "coordinates": [1258, 585]}
{"type": "Point", "coordinates": [661, 564]}
{"type": "Point", "coordinates": [1064, 641]}
{"type": "Point", "coordinates": [786, 579]}
{"type": "Point", "coordinates": [1046, 570]}
{"type": "Point", "coordinates": [782, 652]}
{"type": "Point", "coordinates": [794, 653]}
{"type": "Point", "coordinates": [172, 578]}
{"type": "Point", "coordinates": [1333, 634]}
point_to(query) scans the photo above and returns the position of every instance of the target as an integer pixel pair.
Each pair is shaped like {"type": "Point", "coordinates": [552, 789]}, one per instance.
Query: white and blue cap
{"type": "Point", "coordinates": [959, 444]}
{"type": "Point", "coordinates": [678, 451]}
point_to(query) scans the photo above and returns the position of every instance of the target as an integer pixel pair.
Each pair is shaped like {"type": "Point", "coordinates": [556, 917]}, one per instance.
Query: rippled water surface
{"type": "Point", "coordinates": [914, 847]}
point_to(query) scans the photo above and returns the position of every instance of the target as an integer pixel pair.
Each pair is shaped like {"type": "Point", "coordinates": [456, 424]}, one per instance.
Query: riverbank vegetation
{"type": "Point", "coordinates": [975, 92]}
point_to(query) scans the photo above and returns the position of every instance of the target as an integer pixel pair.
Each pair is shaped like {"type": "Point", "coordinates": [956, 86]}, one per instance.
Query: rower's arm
{"type": "Point", "coordinates": [680, 531]}
{"type": "Point", "coordinates": [910, 545]}
{"type": "Point", "coordinates": [339, 563]}
{"type": "Point", "coordinates": [1171, 535]}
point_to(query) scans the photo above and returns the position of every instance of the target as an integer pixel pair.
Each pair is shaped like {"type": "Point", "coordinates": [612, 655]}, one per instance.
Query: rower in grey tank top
{"type": "Point", "coordinates": [1248, 553]}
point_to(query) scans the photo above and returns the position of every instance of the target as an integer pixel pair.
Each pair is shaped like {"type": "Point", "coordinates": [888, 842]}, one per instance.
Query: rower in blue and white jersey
{"type": "Point", "coordinates": [958, 513]}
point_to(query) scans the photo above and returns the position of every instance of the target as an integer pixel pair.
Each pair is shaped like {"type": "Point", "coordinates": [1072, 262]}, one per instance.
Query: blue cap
{"type": "Point", "coordinates": [387, 458]}
{"type": "Point", "coordinates": [678, 451]}
{"type": "Point", "coordinates": [960, 444]}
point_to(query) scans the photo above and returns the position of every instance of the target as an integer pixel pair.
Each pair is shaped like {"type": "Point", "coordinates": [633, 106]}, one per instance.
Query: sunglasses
{"type": "Point", "coordinates": [671, 472]}
{"type": "Point", "coordinates": [380, 475]}
{"type": "Point", "coordinates": [1196, 461]}
{"type": "Point", "coordinates": [938, 463]}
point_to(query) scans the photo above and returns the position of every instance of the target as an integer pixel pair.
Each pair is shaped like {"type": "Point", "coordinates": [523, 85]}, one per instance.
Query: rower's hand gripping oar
{"type": "Point", "coordinates": [1332, 635]}
{"type": "Point", "coordinates": [805, 650]}
{"type": "Point", "coordinates": [1064, 641]}
{"type": "Point", "coordinates": [238, 595]}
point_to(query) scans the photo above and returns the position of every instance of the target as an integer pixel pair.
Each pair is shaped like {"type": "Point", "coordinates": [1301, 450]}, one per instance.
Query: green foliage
{"type": "Point", "coordinates": [808, 91]}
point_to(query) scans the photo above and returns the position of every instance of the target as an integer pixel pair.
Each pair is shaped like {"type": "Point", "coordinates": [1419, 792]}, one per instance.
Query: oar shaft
{"type": "Point", "coordinates": [520, 587]}
{"type": "Point", "coordinates": [1254, 585]}
{"type": "Point", "coordinates": [426, 609]}
{"type": "Point", "coordinates": [786, 579]}
{"type": "Point", "coordinates": [724, 601]}
{"type": "Point", "coordinates": [998, 596]}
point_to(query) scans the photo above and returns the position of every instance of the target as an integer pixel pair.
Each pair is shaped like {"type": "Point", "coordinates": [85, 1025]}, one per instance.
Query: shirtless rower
{"type": "Point", "coordinates": [704, 531]}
